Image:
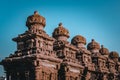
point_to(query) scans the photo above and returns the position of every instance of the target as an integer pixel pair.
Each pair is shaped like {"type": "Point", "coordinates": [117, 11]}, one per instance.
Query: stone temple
{"type": "Point", "coordinates": [41, 57]}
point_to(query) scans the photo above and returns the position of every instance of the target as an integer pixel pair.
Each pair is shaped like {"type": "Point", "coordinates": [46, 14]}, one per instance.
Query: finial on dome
{"type": "Point", "coordinates": [102, 46]}
{"type": "Point", "coordinates": [93, 40]}
{"type": "Point", "coordinates": [36, 12]}
{"type": "Point", "coordinates": [35, 19]}
{"type": "Point", "coordinates": [93, 45]}
{"type": "Point", "coordinates": [60, 24]}
{"type": "Point", "coordinates": [61, 32]}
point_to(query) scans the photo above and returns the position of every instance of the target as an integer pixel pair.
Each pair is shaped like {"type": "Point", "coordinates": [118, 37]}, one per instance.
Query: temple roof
{"type": "Point", "coordinates": [78, 39]}
{"type": "Point", "coordinates": [60, 31]}
{"type": "Point", "coordinates": [93, 45]}
{"type": "Point", "coordinates": [35, 19]}
{"type": "Point", "coordinates": [113, 54]}
{"type": "Point", "coordinates": [104, 51]}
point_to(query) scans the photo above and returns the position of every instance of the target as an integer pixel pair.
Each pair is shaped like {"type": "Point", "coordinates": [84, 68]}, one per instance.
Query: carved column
{"type": "Point", "coordinates": [37, 74]}
{"type": "Point", "coordinates": [88, 76]}
{"type": "Point", "coordinates": [105, 77]}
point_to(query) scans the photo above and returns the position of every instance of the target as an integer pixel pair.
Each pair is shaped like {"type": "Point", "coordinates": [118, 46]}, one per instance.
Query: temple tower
{"type": "Point", "coordinates": [70, 68]}
{"type": "Point", "coordinates": [34, 58]}
{"type": "Point", "coordinates": [83, 56]}
{"type": "Point", "coordinates": [113, 65]}
{"type": "Point", "coordinates": [105, 53]}
{"type": "Point", "coordinates": [41, 57]}
{"type": "Point", "coordinates": [98, 60]}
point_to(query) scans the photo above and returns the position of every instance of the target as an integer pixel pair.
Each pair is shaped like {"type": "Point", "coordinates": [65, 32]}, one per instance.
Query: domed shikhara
{"type": "Point", "coordinates": [113, 55]}
{"type": "Point", "coordinates": [78, 39]}
{"type": "Point", "coordinates": [104, 51]}
{"type": "Point", "coordinates": [60, 31]}
{"type": "Point", "coordinates": [93, 45]}
{"type": "Point", "coordinates": [35, 19]}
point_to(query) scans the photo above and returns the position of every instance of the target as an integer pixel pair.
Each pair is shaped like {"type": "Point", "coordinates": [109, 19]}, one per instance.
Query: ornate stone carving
{"type": "Point", "coordinates": [35, 19]}
{"type": "Point", "coordinates": [113, 54]}
{"type": "Point", "coordinates": [93, 45]}
{"type": "Point", "coordinates": [41, 57]}
{"type": "Point", "coordinates": [60, 31]}
{"type": "Point", "coordinates": [104, 51]}
{"type": "Point", "coordinates": [78, 39]}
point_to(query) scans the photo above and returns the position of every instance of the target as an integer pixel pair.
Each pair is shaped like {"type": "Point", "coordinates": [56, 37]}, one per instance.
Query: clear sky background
{"type": "Point", "coordinates": [98, 19]}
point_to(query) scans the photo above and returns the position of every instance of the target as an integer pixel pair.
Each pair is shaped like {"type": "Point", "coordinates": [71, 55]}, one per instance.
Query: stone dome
{"type": "Point", "coordinates": [60, 31]}
{"type": "Point", "coordinates": [104, 51]}
{"type": "Point", "coordinates": [113, 54]}
{"type": "Point", "coordinates": [93, 45]}
{"type": "Point", "coordinates": [35, 19]}
{"type": "Point", "coordinates": [78, 39]}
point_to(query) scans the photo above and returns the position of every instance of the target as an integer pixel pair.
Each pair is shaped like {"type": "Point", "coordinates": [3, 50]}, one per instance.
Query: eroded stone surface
{"type": "Point", "coordinates": [41, 57]}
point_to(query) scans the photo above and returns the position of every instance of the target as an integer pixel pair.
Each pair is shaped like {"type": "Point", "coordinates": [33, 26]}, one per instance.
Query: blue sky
{"type": "Point", "coordinates": [98, 19]}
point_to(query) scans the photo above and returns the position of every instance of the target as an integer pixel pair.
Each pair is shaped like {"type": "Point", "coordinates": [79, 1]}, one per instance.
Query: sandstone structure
{"type": "Point", "coordinates": [41, 57]}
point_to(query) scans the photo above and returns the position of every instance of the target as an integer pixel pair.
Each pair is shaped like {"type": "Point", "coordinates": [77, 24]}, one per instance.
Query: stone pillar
{"type": "Point", "coordinates": [88, 76]}
{"type": "Point", "coordinates": [36, 42]}
{"type": "Point", "coordinates": [37, 74]}
{"type": "Point", "coordinates": [67, 78]}
{"type": "Point", "coordinates": [105, 77]}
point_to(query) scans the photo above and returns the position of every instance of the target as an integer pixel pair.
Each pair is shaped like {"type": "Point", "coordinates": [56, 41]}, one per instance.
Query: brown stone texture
{"type": "Point", "coordinates": [41, 57]}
